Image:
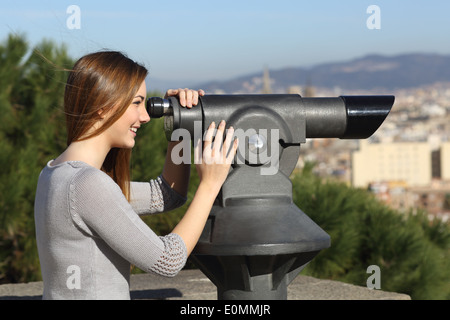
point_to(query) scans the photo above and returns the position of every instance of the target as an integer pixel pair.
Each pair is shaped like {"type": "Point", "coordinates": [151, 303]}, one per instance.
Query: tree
{"type": "Point", "coordinates": [31, 133]}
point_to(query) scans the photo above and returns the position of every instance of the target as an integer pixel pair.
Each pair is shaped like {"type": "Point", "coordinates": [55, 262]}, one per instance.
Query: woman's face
{"type": "Point", "coordinates": [122, 133]}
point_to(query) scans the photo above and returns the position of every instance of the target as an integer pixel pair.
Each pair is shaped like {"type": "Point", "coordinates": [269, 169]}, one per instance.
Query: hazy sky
{"type": "Point", "coordinates": [206, 40]}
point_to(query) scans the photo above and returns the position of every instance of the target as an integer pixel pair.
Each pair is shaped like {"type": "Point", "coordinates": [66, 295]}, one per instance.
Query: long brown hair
{"type": "Point", "coordinates": [98, 82]}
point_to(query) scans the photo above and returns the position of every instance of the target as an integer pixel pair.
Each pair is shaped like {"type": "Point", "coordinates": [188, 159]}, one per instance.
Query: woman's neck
{"type": "Point", "coordinates": [89, 151]}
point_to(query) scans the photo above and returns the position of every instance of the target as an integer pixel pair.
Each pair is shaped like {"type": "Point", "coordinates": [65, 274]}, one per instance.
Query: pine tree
{"type": "Point", "coordinates": [31, 132]}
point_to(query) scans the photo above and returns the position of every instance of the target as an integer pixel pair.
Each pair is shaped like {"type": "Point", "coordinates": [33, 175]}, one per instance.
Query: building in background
{"type": "Point", "coordinates": [408, 162]}
{"type": "Point", "coordinates": [445, 161]}
{"type": "Point", "coordinates": [406, 175]}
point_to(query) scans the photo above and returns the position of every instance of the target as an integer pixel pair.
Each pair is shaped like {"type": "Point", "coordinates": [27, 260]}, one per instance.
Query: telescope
{"type": "Point", "coordinates": [256, 240]}
{"type": "Point", "coordinates": [345, 117]}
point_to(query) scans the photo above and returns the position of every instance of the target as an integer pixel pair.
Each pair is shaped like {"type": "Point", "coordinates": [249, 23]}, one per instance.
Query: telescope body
{"type": "Point", "coordinates": [344, 117]}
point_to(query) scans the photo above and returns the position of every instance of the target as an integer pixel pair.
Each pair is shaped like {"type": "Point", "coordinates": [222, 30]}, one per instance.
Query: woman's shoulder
{"type": "Point", "coordinates": [92, 190]}
{"type": "Point", "coordinates": [79, 174]}
{"type": "Point", "coordinates": [91, 178]}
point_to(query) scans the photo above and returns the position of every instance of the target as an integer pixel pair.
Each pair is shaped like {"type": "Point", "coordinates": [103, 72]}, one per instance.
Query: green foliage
{"type": "Point", "coordinates": [31, 133]}
{"type": "Point", "coordinates": [411, 251]}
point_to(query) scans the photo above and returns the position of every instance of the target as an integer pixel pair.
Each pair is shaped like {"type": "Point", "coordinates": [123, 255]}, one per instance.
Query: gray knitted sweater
{"type": "Point", "coordinates": [88, 234]}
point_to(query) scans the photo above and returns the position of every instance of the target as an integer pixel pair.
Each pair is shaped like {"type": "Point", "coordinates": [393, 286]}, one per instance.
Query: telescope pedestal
{"type": "Point", "coordinates": [253, 249]}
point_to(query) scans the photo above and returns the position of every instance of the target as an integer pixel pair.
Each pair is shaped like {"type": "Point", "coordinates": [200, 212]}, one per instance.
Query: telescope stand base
{"type": "Point", "coordinates": [253, 277]}
{"type": "Point", "coordinates": [262, 290]}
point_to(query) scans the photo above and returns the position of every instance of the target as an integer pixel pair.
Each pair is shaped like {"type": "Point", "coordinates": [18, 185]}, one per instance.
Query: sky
{"type": "Point", "coordinates": [198, 41]}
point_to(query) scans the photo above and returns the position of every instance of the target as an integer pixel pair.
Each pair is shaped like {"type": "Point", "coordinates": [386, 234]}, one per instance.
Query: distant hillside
{"type": "Point", "coordinates": [366, 73]}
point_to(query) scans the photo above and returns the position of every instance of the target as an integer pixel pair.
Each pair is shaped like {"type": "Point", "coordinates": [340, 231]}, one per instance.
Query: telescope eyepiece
{"type": "Point", "coordinates": [158, 107]}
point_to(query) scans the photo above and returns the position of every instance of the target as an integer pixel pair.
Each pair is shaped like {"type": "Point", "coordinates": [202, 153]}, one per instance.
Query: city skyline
{"type": "Point", "coordinates": [206, 40]}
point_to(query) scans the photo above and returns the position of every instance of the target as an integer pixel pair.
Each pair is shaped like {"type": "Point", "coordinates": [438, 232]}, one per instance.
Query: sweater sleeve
{"type": "Point", "coordinates": [99, 208]}
{"type": "Point", "coordinates": [154, 196]}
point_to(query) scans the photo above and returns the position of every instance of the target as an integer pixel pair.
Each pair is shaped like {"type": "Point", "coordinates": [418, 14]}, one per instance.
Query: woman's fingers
{"type": "Point", "coordinates": [187, 97]}
{"type": "Point", "coordinates": [209, 137]}
{"type": "Point", "coordinates": [230, 146]}
{"type": "Point", "coordinates": [218, 140]}
{"type": "Point", "coordinates": [215, 148]}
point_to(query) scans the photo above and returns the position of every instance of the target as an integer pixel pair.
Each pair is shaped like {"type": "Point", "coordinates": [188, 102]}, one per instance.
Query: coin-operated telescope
{"type": "Point", "coordinates": [256, 240]}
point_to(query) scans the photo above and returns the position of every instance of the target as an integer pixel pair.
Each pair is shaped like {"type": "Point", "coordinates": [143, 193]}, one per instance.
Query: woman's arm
{"type": "Point", "coordinates": [176, 175]}
{"type": "Point", "coordinates": [212, 172]}
{"type": "Point", "coordinates": [99, 209]}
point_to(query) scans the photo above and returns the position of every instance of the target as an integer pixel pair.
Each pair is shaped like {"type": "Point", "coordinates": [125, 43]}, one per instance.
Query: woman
{"type": "Point", "coordinates": [86, 209]}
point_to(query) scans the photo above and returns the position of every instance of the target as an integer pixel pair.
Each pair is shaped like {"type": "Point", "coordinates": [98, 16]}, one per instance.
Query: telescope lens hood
{"type": "Point", "coordinates": [365, 114]}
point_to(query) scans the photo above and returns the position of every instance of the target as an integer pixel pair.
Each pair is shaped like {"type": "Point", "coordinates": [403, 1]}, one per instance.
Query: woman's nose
{"type": "Point", "coordinates": [144, 117]}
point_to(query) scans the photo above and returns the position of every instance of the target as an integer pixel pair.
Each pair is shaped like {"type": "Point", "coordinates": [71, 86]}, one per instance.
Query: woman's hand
{"type": "Point", "coordinates": [214, 163]}
{"type": "Point", "coordinates": [187, 97]}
